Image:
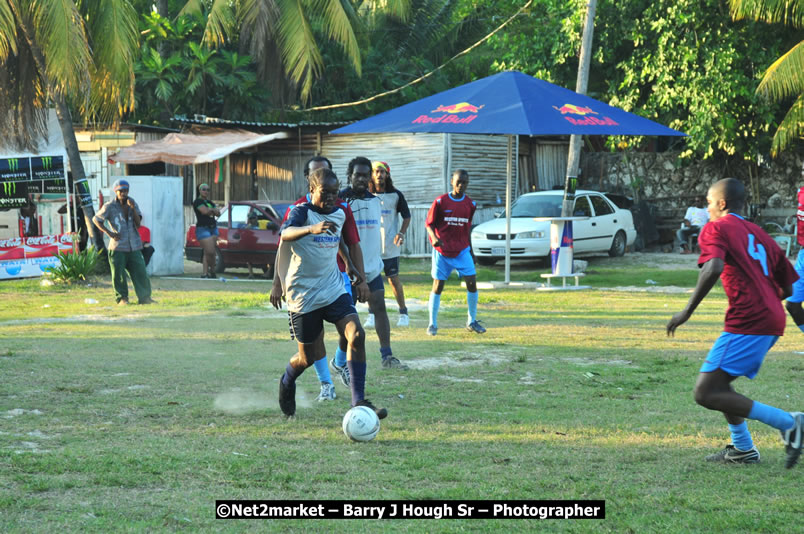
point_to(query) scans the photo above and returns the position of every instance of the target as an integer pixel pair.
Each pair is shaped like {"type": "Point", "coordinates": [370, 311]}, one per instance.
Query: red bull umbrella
{"type": "Point", "coordinates": [509, 103]}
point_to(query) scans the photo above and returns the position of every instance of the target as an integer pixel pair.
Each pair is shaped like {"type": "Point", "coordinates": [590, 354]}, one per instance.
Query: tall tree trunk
{"type": "Point", "coordinates": [80, 185]}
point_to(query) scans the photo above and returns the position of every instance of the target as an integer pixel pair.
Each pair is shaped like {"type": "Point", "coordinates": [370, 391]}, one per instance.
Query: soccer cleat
{"type": "Point", "coordinates": [733, 455]}
{"type": "Point", "coordinates": [392, 363]}
{"type": "Point", "coordinates": [793, 439]}
{"type": "Point", "coordinates": [287, 398]}
{"type": "Point", "coordinates": [432, 330]}
{"type": "Point", "coordinates": [369, 321]}
{"type": "Point", "coordinates": [327, 392]}
{"type": "Point", "coordinates": [404, 320]}
{"type": "Point", "coordinates": [382, 413]}
{"type": "Point", "coordinates": [475, 326]}
{"type": "Point", "coordinates": [343, 372]}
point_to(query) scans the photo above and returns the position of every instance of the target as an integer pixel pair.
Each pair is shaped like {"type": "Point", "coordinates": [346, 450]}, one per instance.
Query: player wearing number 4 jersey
{"type": "Point", "coordinates": [756, 276]}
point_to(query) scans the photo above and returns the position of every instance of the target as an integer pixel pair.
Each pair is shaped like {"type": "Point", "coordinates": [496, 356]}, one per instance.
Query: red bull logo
{"type": "Point", "coordinates": [451, 113]}
{"type": "Point", "coordinates": [575, 110]}
{"type": "Point", "coordinates": [580, 117]}
{"type": "Point", "coordinates": [463, 107]}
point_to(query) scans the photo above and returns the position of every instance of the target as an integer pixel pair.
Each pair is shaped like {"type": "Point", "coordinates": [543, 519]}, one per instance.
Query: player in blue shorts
{"type": "Point", "coordinates": [314, 290]}
{"type": "Point", "coordinates": [448, 224]}
{"type": "Point", "coordinates": [756, 276]}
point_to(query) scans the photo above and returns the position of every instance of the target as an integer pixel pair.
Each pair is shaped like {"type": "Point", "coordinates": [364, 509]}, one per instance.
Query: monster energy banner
{"type": "Point", "coordinates": [20, 177]}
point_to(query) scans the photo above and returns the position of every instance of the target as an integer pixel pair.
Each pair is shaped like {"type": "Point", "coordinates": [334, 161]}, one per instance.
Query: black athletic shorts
{"type": "Point", "coordinates": [391, 267]}
{"type": "Point", "coordinates": [374, 285]}
{"type": "Point", "coordinates": [306, 327]}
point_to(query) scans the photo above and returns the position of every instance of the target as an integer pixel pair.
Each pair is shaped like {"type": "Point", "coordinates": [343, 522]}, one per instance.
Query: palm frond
{"type": "Point", "coordinates": [791, 128]}
{"type": "Point", "coordinates": [61, 36]}
{"type": "Point", "coordinates": [220, 23]}
{"type": "Point", "coordinates": [396, 8]}
{"type": "Point", "coordinates": [114, 38]}
{"type": "Point", "coordinates": [337, 17]}
{"type": "Point", "coordinates": [300, 54]}
{"type": "Point", "coordinates": [787, 12]}
{"type": "Point", "coordinates": [8, 31]}
{"type": "Point", "coordinates": [785, 77]}
{"type": "Point", "coordinates": [23, 104]}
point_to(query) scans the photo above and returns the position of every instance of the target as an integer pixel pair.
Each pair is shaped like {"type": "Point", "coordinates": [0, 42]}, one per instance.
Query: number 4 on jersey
{"type": "Point", "coordinates": [757, 251]}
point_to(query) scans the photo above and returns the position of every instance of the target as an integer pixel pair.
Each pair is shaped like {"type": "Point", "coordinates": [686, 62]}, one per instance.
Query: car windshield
{"type": "Point", "coordinates": [537, 206]}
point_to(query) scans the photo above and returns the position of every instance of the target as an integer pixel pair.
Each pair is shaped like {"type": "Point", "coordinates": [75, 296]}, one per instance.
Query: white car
{"type": "Point", "coordinates": [608, 228]}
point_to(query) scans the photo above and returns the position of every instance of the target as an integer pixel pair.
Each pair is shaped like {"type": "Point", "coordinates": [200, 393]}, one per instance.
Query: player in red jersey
{"type": "Point", "coordinates": [756, 276]}
{"type": "Point", "coordinates": [448, 224]}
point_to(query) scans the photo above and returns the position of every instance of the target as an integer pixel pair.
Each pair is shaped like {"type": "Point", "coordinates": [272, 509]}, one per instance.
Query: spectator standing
{"type": "Point", "coordinates": [120, 219]}
{"type": "Point", "coordinates": [206, 229]}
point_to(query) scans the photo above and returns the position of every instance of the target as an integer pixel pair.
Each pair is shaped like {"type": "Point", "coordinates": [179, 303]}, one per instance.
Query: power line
{"type": "Point", "coordinates": [422, 78]}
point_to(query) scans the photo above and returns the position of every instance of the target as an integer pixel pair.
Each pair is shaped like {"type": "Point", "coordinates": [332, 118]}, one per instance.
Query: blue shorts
{"type": "Point", "coordinates": [347, 283]}
{"type": "Point", "coordinates": [203, 232]}
{"type": "Point", "coordinates": [391, 267]}
{"type": "Point", "coordinates": [306, 327]}
{"type": "Point", "coordinates": [443, 266]}
{"type": "Point", "coordinates": [738, 354]}
{"type": "Point", "coordinates": [798, 285]}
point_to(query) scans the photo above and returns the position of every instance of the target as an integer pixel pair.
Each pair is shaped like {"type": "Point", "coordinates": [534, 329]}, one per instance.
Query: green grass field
{"type": "Point", "coordinates": [139, 418]}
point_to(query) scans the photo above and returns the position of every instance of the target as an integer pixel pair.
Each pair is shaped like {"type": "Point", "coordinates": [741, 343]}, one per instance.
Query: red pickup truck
{"type": "Point", "coordinates": [249, 234]}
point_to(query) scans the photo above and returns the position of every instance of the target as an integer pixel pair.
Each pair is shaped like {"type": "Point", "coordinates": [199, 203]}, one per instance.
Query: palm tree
{"type": "Point", "coordinates": [64, 53]}
{"type": "Point", "coordinates": [281, 34]}
{"type": "Point", "coordinates": [785, 77]}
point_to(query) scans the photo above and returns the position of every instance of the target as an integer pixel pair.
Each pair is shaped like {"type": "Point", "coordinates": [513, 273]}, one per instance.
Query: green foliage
{"type": "Point", "coordinates": [682, 63]}
{"type": "Point", "coordinates": [74, 266]}
{"type": "Point", "coordinates": [176, 74]}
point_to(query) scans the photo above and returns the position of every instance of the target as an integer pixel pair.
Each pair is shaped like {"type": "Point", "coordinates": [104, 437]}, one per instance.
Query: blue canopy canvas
{"type": "Point", "coordinates": [509, 103]}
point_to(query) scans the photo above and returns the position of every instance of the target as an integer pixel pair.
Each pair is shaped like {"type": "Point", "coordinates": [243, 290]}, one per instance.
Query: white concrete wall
{"type": "Point", "coordinates": [160, 200]}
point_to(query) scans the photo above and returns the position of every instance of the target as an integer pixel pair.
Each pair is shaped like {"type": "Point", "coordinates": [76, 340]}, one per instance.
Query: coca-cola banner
{"type": "Point", "coordinates": [22, 257]}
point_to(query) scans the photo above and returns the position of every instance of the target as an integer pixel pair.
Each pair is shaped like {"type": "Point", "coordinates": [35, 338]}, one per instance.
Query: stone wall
{"type": "Point", "coordinates": [670, 185]}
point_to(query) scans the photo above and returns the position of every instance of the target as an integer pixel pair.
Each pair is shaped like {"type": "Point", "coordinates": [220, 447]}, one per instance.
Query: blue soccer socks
{"type": "Point", "coordinates": [471, 302]}
{"type": "Point", "coordinates": [340, 357]}
{"type": "Point", "coordinates": [322, 370]}
{"type": "Point", "coordinates": [741, 437]}
{"type": "Point", "coordinates": [778, 419]}
{"type": "Point", "coordinates": [432, 306]}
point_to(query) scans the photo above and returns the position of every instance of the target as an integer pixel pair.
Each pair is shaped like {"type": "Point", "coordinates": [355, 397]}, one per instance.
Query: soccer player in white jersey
{"type": "Point", "coordinates": [367, 210]}
{"type": "Point", "coordinates": [314, 290]}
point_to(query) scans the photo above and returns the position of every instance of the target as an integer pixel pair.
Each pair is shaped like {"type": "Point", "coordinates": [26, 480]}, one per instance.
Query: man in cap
{"type": "Point", "coordinates": [393, 235]}
{"type": "Point", "coordinates": [120, 219]}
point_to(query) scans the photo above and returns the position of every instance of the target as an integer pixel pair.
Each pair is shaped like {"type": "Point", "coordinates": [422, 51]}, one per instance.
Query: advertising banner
{"type": "Point", "coordinates": [22, 257]}
{"type": "Point", "coordinates": [21, 176]}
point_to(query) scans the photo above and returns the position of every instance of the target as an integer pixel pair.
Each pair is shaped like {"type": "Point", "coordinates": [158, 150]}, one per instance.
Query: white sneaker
{"type": "Point", "coordinates": [327, 392]}
{"type": "Point", "coordinates": [369, 321]}
{"type": "Point", "coordinates": [404, 320]}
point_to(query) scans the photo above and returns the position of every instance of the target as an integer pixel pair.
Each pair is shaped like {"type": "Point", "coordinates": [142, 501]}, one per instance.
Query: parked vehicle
{"type": "Point", "coordinates": [608, 228]}
{"type": "Point", "coordinates": [249, 234]}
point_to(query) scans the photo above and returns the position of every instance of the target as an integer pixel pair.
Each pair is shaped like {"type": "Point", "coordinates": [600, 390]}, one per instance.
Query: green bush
{"type": "Point", "coordinates": [74, 267]}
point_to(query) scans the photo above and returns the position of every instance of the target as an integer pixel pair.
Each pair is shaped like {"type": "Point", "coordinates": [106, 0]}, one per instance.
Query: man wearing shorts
{"type": "Point", "coordinates": [448, 224]}
{"type": "Point", "coordinates": [756, 276]}
{"type": "Point", "coordinates": [315, 292]}
{"type": "Point", "coordinates": [393, 205]}
{"type": "Point", "coordinates": [367, 211]}
{"type": "Point", "coordinates": [351, 241]}
{"type": "Point", "coordinates": [794, 301]}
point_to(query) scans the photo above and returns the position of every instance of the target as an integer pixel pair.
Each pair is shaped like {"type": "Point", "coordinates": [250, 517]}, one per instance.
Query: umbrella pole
{"type": "Point", "coordinates": [508, 210]}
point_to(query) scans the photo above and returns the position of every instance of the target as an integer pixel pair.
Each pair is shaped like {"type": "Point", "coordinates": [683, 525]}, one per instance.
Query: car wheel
{"type": "Point", "coordinates": [488, 262]}
{"type": "Point", "coordinates": [618, 245]}
{"type": "Point", "coordinates": [219, 265]}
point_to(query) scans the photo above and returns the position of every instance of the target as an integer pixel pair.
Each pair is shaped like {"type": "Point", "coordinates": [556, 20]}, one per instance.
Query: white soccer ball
{"type": "Point", "coordinates": [361, 424]}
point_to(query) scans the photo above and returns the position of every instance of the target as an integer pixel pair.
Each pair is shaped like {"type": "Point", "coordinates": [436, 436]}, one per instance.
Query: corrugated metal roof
{"type": "Point", "coordinates": [202, 119]}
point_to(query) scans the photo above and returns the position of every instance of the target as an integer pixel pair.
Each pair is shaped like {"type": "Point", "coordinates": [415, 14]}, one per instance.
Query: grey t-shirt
{"type": "Point", "coordinates": [111, 216]}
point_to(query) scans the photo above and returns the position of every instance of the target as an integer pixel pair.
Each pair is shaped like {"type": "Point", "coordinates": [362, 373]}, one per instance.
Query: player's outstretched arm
{"type": "Point", "coordinates": [707, 279]}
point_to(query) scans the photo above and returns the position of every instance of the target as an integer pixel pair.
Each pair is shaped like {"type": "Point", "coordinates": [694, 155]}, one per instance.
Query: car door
{"type": "Point", "coordinates": [604, 223]}
{"type": "Point", "coordinates": [582, 231]}
{"type": "Point", "coordinates": [239, 237]}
